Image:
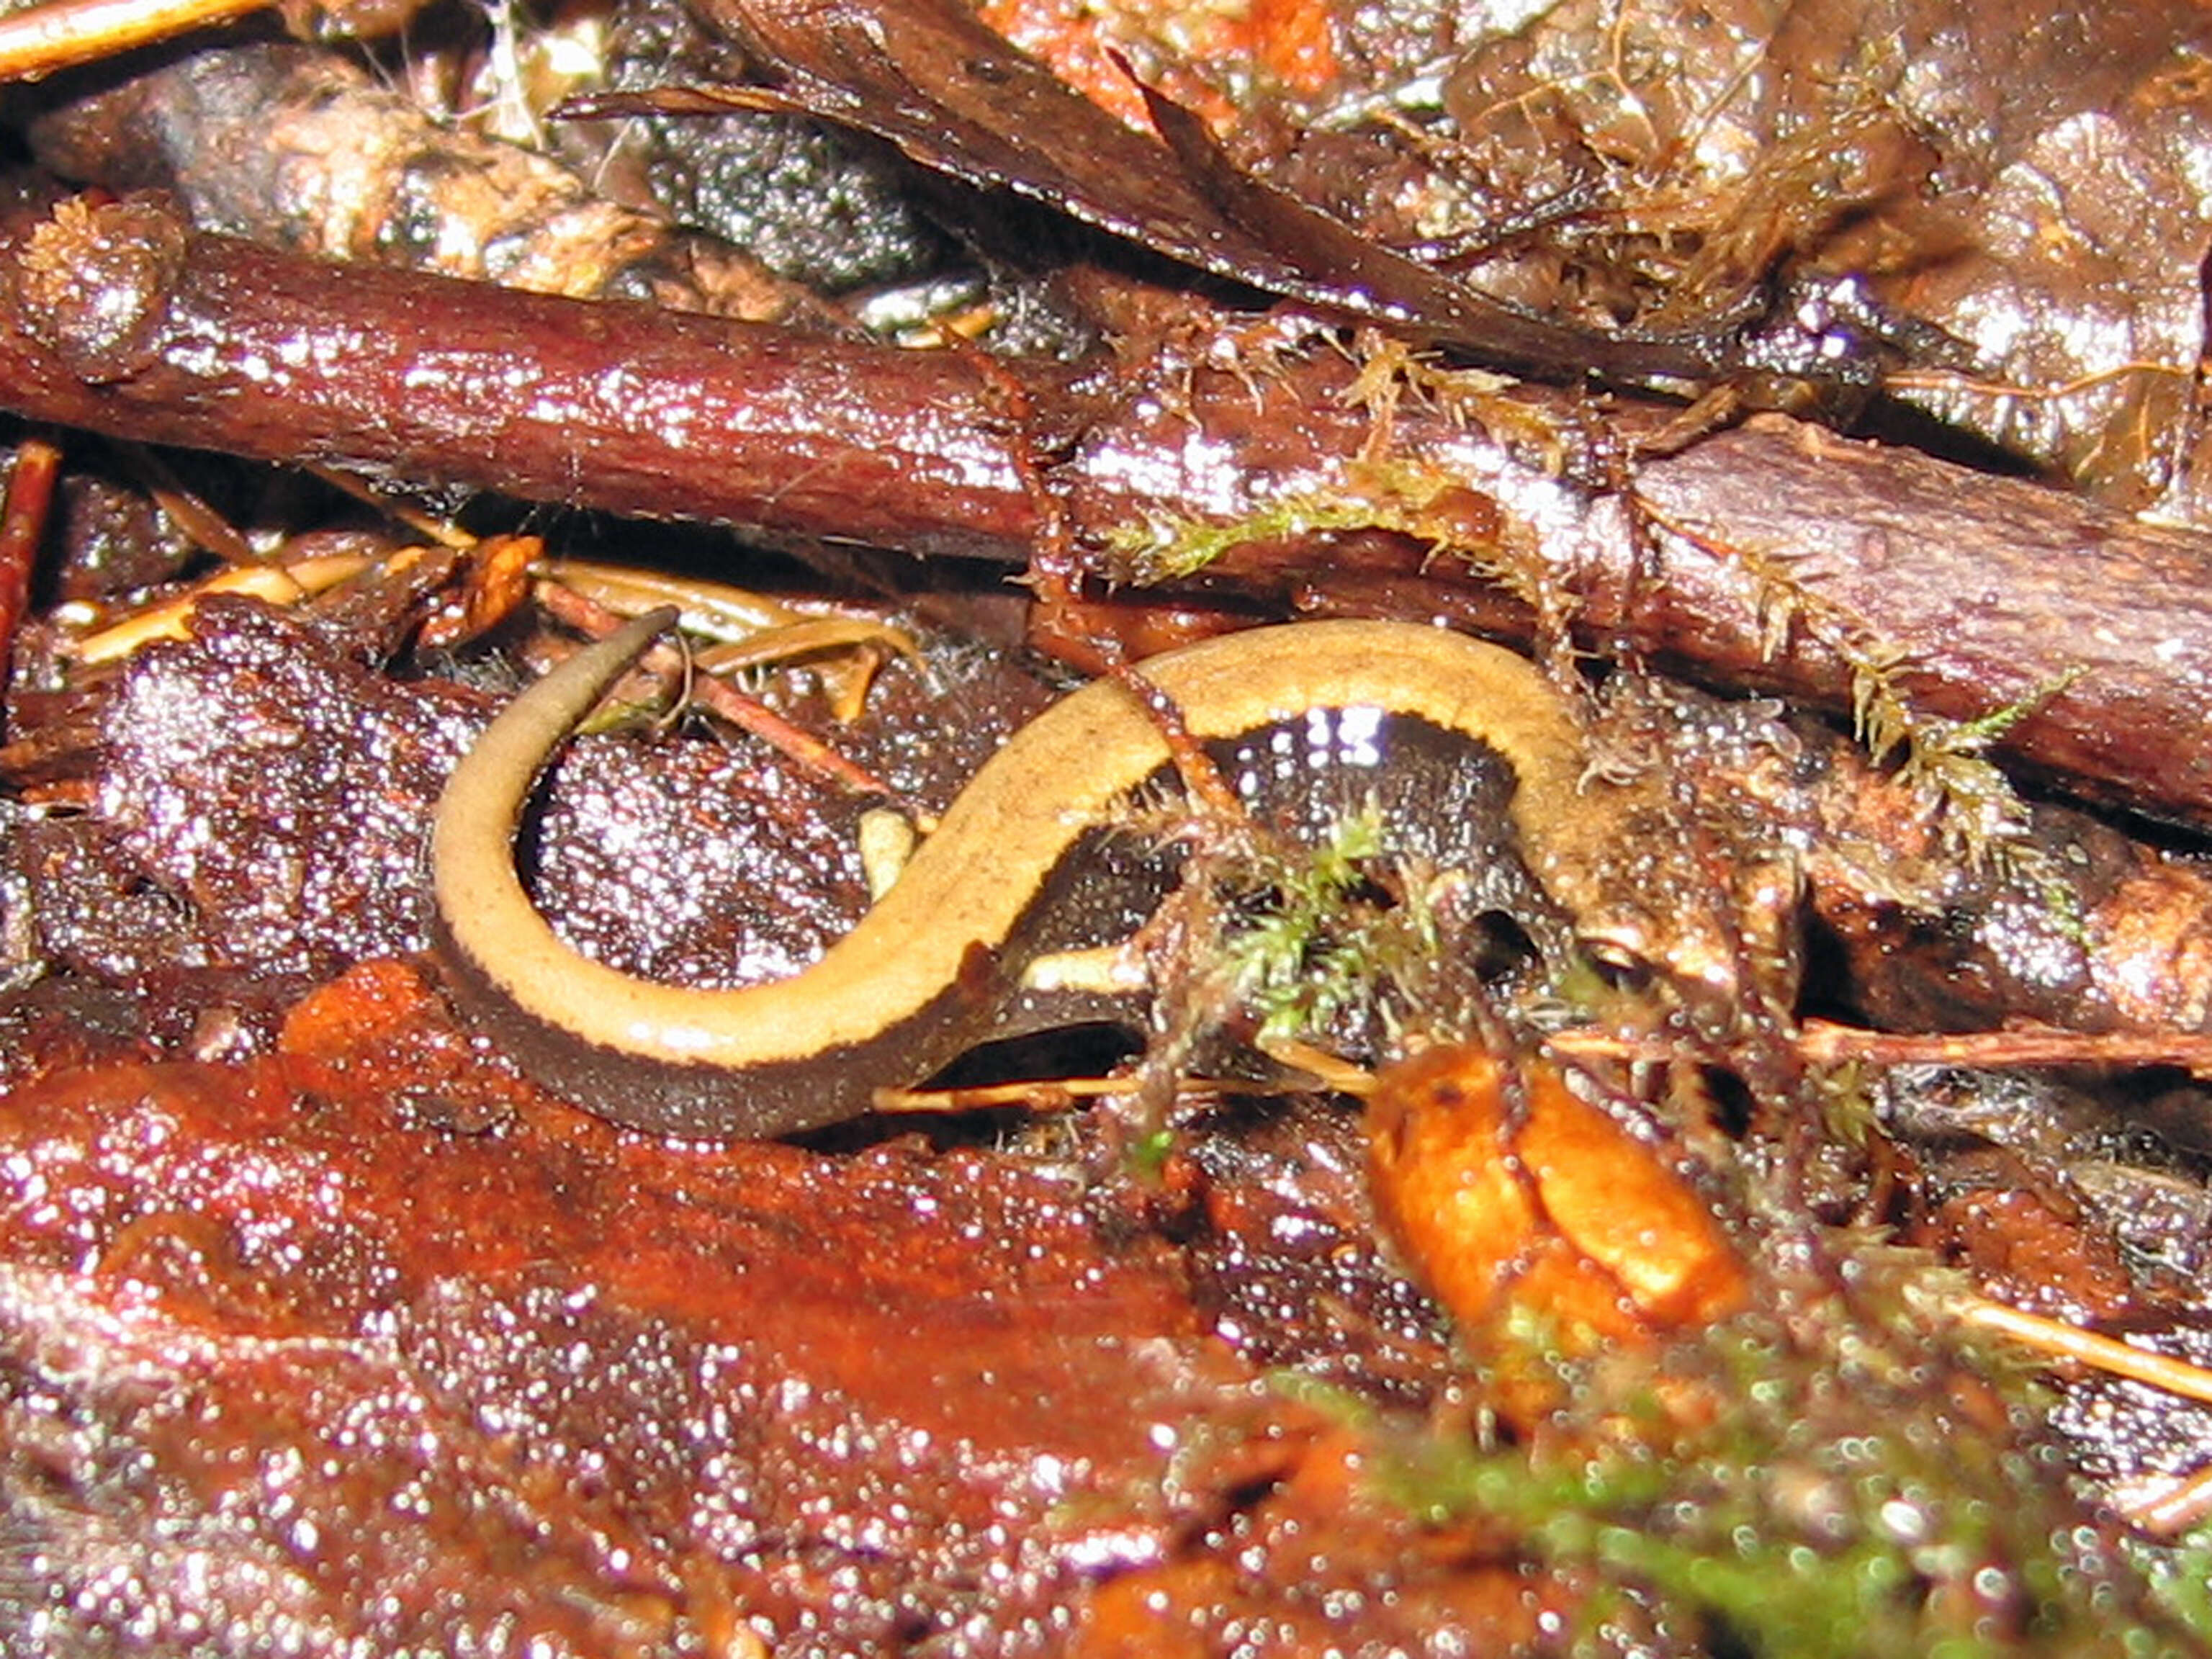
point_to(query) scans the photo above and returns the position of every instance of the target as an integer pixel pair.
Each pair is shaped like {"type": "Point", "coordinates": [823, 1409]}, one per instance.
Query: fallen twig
{"type": "Point", "coordinates": [1983, 590]}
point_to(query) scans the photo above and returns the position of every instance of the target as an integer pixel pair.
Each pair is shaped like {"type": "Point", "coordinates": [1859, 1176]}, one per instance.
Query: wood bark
{"type": "Point", "coordinates": [1986, 589]}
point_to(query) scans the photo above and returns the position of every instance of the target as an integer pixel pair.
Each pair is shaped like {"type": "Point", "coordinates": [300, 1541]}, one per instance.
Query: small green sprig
{"type": "Point", "coordinates": [1944, 762]}
{"type": "Point", "coordinates": [1308, 944]}
{"type": "Point", "coordinates": [1293, 964]}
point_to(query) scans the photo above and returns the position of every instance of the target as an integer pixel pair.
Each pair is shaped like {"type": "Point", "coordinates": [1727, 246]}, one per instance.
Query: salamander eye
{"type": "Point", "coordinates": [1622, 954]}
{"type": "Point", "coordinates": [1696, 966]}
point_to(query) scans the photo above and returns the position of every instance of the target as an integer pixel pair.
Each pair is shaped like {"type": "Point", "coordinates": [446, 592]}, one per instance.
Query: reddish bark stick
{"type": "Point", "coordinates": [1988, 587]}
{"type": "Point", "coordinates": [1991, 590]}
{"type": "Point", "coordinates": [226, 345]}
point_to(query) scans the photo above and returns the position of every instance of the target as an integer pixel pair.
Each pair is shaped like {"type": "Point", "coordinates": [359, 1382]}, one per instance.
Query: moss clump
{"type": "Point", "coordinates": [1405, 497]}
{"type": "Point", "coordinates": [2180, 1578]}
{"type": "Point", "coordinates": [1310, 952]}
{"type": "Point", "coordinates": [1823, 1482]}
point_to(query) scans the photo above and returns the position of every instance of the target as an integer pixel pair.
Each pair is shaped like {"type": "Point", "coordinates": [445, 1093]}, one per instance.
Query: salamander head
{"type": "Point", "coordinates": [1716, 934]}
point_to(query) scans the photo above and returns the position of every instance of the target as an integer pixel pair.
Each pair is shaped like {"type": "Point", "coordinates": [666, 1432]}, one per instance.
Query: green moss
{"type": "Point", "coordinates": [2180, 1578]}
{"type": "Point", "coordinates": [1406, 498]}
{"type": "Point", "coordinates": [1322, 931]}
{"type": "Point", "coordinates": [1943, 763]}
{"type": "Point", "coordinates": [1288, 962]}
{"type": "Point", "coordinates": [1837, 1504]}
{"type": "Point", "coordinates": [1148, 1154]}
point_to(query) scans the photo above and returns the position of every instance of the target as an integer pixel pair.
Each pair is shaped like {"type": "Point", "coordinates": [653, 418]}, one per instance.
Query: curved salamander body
{"type": "Point", "coordinates": [918, 981]}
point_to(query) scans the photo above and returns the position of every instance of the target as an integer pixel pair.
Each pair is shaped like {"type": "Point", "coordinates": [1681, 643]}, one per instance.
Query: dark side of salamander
{"type": "Point", "coordinates": [1444, 800]}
